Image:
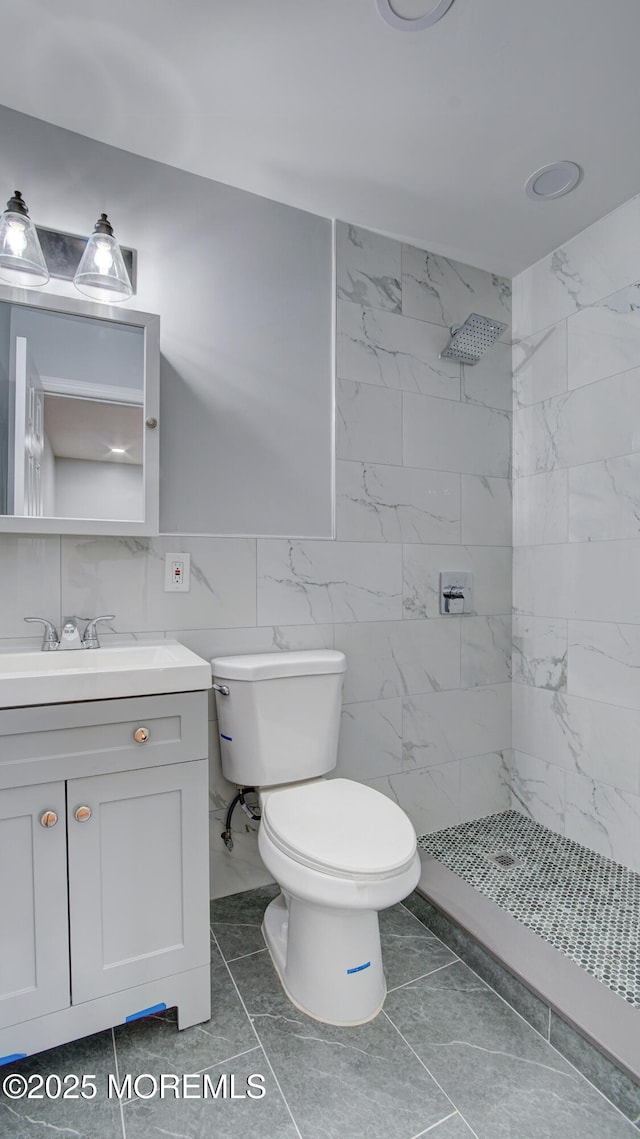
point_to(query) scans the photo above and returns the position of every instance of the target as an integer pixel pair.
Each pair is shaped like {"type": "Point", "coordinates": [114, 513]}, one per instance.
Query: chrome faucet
{"type": "Point", "coordinates": [70, 638]}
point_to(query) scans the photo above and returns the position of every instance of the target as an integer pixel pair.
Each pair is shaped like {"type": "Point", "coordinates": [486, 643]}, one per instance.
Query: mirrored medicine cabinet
{"type": "Point", "coordinates": [79, 393]}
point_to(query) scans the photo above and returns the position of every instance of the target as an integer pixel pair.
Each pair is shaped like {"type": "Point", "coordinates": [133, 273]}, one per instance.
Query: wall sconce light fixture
{"type": "Point", "coordinates": [21, 258]}
{"type": "Point", "coordinates": [101, 274]}
{"type": "Point", "coordinates": [29, 256]}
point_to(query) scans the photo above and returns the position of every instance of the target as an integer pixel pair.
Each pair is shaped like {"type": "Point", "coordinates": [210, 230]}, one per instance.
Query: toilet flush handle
{"type": "Point", "coordinates": [223, 689]}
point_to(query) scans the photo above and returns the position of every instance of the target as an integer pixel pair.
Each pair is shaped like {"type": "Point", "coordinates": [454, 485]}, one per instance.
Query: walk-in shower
{"type": "Point", "coordinates": [554, 927]}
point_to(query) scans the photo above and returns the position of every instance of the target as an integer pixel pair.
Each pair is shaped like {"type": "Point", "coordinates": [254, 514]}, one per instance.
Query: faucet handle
{"type": "Point", "coordinates": [50, 639]}
{"type": "Point", "coordinates": [90, 635]}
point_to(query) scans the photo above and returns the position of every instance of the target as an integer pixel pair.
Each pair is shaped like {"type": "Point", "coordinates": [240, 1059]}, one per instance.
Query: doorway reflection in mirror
{"type": "Point", "coordinates": [71, 416]}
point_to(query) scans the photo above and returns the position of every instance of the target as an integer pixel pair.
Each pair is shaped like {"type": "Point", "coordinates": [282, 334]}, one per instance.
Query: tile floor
{"type": "Point", "coordinates": [584, 904]}
{"type": "Point", "coordinates": [447, 1058]}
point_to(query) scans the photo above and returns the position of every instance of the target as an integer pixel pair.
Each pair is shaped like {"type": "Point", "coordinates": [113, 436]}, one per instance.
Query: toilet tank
{"type": "Point", "coordinates": [280, 721]}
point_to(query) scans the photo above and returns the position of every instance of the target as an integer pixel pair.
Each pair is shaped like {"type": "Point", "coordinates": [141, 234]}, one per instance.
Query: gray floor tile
{"type": "Point", "coordinates": [408, 949]}
{"type": "Point", "coordinates": [340, 1083]}
{"type": "Point", "coordinates": [615, 1084]}
{"type": "Point", "coordinates": [236, 921]}
{"type": "Point", "coordinates": [224, 1118]}
{"type": "Point", "coordinates": [154, 1044]}
{"type": "Point", "coordinates": [505, 1080]}
{"type": "Point", "coordinates": [514, 992]}
{"type": "Point", "coordinates": [97, 1118]}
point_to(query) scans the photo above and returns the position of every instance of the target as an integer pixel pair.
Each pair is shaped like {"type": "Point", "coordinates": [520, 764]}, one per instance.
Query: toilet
{"type": "Point", "coordinates": [339, 850]}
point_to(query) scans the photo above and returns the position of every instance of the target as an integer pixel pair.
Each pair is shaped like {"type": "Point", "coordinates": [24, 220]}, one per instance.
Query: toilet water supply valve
{"type": "Point", "coordinates": [250, 811]}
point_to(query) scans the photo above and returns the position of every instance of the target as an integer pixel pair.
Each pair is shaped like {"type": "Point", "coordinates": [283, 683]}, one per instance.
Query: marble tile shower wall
{"type": "Point", "coordinates": [576, 693]}
{"type": "Point", "coordinates": [423, 485]}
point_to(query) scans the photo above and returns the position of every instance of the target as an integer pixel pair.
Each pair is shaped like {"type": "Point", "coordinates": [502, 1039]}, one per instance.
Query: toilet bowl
{"type": "Point", "coordinates": [339, 850]}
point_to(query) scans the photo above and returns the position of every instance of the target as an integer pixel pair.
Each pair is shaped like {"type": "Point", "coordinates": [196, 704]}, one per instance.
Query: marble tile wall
{"type": "Point", "coordinates": [424, 466]}
{"type": "Point", "coordinates": [423, 485]}
{"type": "Point", "coordinates": [576, 634]}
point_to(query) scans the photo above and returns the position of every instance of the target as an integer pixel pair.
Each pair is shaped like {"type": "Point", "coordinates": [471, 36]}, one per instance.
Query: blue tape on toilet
{"type": "Point", "coordinates": [11, 1057]}
{"type": "Point", "coordinates": [145, 1012]}
{"type": "Point", "coordinates": [229, 738]}
{"type": "Point", "coordinates": [359, 968]}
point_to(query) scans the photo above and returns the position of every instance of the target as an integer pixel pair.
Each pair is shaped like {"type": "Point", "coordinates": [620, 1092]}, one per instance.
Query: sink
{"type": "Point", "coordinates": [100, 674]}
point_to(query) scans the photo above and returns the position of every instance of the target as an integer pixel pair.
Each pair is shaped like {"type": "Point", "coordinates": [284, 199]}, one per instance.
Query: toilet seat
{"type": "Point", "coordinates": [340, 828]}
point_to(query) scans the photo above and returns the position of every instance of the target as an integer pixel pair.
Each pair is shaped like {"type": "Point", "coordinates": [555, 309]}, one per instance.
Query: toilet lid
{"type": "Point", "coordinates": [340, 827]}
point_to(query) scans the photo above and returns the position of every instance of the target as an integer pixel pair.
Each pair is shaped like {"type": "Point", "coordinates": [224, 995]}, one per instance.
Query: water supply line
{"type": "Point", "coordinates": [250, 811]}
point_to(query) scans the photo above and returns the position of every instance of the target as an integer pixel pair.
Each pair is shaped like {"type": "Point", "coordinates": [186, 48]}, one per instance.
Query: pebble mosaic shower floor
{"type": "Point", "coordinates": [585, 905]}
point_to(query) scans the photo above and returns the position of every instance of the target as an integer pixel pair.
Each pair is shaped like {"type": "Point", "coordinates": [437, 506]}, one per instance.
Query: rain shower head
{"type": "Point", "coordinates": [469, 341]}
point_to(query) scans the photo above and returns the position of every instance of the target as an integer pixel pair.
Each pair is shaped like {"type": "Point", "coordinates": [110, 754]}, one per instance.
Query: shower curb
{"type": "Point", "coordinates": [594, 1028]}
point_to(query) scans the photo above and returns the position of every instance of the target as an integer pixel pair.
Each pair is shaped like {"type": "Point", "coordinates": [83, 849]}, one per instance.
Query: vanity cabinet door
{"type": "Point", "coordinates": [34, 935]}
{"type": "Point", "coordinates": [138, 877]}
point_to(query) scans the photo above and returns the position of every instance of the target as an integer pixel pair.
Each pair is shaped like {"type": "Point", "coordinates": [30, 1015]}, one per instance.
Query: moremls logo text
{"type": "Point", "coordinates": [186, 1086]}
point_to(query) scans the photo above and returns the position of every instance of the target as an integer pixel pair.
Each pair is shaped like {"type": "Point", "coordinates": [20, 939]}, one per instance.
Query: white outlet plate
{"type": "Point", "coordinates": [177, 573]}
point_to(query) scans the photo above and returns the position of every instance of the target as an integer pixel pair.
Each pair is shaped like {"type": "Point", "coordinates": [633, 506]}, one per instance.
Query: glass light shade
{"type": "Point", "coordinates": [101, 273]}
{"type": "Point", "coordinates": [21, 258]}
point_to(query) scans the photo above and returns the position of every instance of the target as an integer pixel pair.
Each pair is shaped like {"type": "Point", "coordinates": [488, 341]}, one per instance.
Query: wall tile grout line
{"type": "Point", "coordinates": [413, 391]}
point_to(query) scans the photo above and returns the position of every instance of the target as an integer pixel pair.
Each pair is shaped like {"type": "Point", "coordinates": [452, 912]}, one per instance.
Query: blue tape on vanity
{"type": "Point", "coordinates": [229, 738]}
{"type": "Point", "coordinates": [145, 1012]}
{"type": "Point", "coordinates": [359, 968]}
{"type": "Point", "coordinates": [11, 1057]}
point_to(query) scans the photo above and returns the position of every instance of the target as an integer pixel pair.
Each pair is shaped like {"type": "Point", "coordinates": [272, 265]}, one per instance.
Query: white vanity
{"type": "Point", "coordinates": [104, 899]}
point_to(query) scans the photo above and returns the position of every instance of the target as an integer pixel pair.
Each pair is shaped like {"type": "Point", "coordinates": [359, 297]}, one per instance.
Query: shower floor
{"type": "Point", "coordinates": [583, 904]}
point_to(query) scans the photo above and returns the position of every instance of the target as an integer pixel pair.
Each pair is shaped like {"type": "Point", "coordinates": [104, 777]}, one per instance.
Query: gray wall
{"type": "Point", "coordinates": [98, 490]}
{"type": "Point", "coordinates": [243, 287]}
{"type": "Point", "coordinates": [82, 350]}
{"type": "Point", "coordinates": [5, 327]}
{"type": "Point", "coordinates": [423, 484]}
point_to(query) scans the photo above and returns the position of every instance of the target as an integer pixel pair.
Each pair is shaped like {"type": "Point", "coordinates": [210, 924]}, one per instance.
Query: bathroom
{"type": "Point", "coordinates": [518, 470]}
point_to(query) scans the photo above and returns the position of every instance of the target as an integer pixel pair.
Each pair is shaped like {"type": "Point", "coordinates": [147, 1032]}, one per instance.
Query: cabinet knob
{"type": "Point", "coordinates": [81, 814]}
{"type": "Point", "coordinates": [141, 735]}
{"type": "Point", "coordinates": [48, 819]}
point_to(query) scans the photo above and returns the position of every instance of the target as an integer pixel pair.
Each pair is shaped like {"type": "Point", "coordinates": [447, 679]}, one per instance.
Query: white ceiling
{"type": "Point", "coordinates": [88, 429]}
{"type": "Point", "coordinates": [319, 103]}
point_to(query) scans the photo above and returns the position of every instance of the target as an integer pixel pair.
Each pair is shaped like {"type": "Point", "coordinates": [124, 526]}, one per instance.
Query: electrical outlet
{"type": "Point", "coordinates": [177, 573]}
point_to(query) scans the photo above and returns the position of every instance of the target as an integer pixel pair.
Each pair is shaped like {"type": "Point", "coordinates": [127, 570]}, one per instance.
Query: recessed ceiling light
{"type": "Point", "coordinates": [413, 23]}
{"type": "Point", "coordinates": [117, 450]}
{"type": "Point", "coordinates": [553, 181]}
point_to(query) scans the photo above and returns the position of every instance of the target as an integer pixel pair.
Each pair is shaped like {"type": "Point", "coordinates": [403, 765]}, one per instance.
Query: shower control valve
{"type": "Point", "coordinates": [454, 601]}
{"type": "Point", "coordinates": [455, 593]}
